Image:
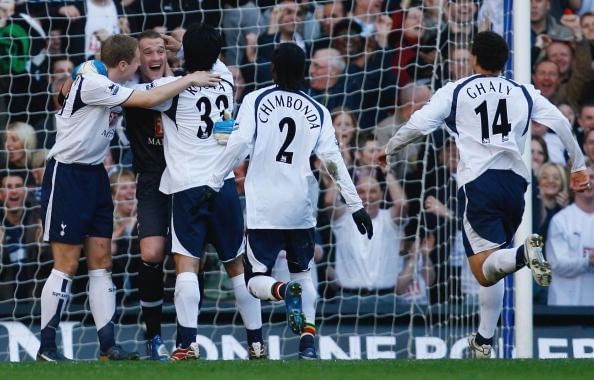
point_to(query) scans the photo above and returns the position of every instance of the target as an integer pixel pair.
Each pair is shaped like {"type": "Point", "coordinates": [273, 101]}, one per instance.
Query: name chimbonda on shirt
{"type": "Point", "coordinates": [291, 103]}
{"type": "Point", "coordinates": [480, 88]}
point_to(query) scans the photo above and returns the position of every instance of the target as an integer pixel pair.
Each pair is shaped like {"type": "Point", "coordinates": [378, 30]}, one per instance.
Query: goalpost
{"type": "Point", "coordinates": [351, 326]}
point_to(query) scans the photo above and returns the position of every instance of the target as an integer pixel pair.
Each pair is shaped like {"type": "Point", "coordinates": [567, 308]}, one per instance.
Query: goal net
{"type": "Point", "coordinates": [407, 294]}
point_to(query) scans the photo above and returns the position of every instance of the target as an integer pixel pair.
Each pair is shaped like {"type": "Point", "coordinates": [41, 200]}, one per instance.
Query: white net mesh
{"type": "Point", "coordinates": [412, 295]}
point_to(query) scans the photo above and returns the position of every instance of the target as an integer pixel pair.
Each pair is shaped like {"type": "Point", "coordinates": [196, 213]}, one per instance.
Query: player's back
{"type": "Point", "coordinates": [280, 185]}
{"type": "Point", "coordinates": [189, 146]}
{"type": "Point", "coordinates": [489, 118]}
{"type": "Point", "coordinates": [83, 128]}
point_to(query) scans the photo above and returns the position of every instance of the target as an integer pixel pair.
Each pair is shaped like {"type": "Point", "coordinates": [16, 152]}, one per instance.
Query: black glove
{"type": "Point", "coordinates": [208, 193]}
{"type": "Point", "coordinates": [363, 222]}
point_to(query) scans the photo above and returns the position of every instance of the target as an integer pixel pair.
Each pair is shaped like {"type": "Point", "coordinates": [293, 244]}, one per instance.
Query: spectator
{"type": "Point", "coordinates": [552, 198]}
{"type": "Point", "coordinates": [239, 83]}
{"type": "Point", "coordinates": [543, 24]}
{"type": "Point", "coordinates": [539, 154]}
{"type": "Point", "coordinates": [327, 84]}
{"type": "Point", "coordinates": [345, 124]}
{"type": "Point", "coordinates": [587, 24]}
{"type": "Point", "coordinates": [61, 69]}
{"type": "Point", "coordinates": [413, 56]}
{"type": "Point", "coordinates": [328, 15]}
{"type": "Point", "coordinates": [569, 113]}
{"type": "Point", "coordinates": [410, 99]}
{"type": "Point", "coordinates": [570, 250]}
{"type": "Point", "coordinates": [418, 272]}
{"type": "Point", "coordinates": [101, 22]}
{"type": "Point", "coordinates": [241, 27]}
{"type": "Point", "coordinates": [366, 72]}
{"type": "Point", "coordinates": [442, 218]}
{"type": "Point", "coordinates": [585, 120]}
{"type": "Point", "coordinates": [20, 235]}
{"type": "Point", "coordinates": [38, 159]}
{"type": "Point", "coordinates": [367, 13]}
{"type": "Point", "coordinates": [125, 247]}
{"type": "Point", "coordinates": [460, 27]}
{"type": "Point", "coordinates": [589, 146]}
{"type": "Point", "coordinates": [561, 53]}
{"type": "Point", "coordinates": [458, 63]}
{"type": "Point", "coordinates": [284, 19]}
{"type": "Point", "coordinates": [368, 267]}
{"type": "Point", "coordinates": [20, 142]}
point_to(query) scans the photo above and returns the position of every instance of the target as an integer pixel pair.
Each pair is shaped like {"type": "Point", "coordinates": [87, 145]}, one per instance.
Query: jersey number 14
{"type": "Point", "coordinates": [500, 125]}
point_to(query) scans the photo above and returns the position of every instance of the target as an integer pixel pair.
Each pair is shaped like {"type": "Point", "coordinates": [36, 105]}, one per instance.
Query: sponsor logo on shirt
{"type": "Point", "coordinates": [113, 89]}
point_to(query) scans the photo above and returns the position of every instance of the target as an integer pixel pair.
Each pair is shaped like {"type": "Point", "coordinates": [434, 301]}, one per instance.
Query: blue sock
{"type": "Point", "coordinates": [254, 336]}
{"type": "Point", "coordinates": [187, 335]}
{"type": "Point", "coordinates": [520, 258]}
{"type": "Point", "coordinates": [480, 340]}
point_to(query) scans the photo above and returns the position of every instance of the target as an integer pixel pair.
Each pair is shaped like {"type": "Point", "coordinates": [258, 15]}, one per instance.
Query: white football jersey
{"type": "Point", "coordinates": [83, 128]}
{"type": "Point", "coordinates": [190, 148]}
{"type": "Point", "coordinates": [285, 129]}
{"type": "Point", "coordinates": [489, 118]}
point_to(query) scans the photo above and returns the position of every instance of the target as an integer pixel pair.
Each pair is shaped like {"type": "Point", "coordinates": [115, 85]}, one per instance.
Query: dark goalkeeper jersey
{"type": "Point", "coordinates": [145, 132]}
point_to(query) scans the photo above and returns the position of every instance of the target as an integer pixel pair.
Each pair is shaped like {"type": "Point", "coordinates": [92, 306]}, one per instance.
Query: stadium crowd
{"type": "Point", "coordinates": [372, 63]}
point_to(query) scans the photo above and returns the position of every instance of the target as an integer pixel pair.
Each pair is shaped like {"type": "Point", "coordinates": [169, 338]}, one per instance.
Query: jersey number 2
{"type": "Point", "coordinates": [500, 125]}
{"type": "Point", "coordinates": [283, 155]}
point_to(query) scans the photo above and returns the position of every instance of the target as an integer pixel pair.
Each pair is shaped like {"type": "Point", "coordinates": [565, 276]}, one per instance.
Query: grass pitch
{"type": "Point", "coordinates": [304, 370]}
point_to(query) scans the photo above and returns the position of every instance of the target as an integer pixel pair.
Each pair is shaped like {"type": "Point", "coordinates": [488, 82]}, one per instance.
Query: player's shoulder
{"type": "Point", "coordinates": [220, 68]}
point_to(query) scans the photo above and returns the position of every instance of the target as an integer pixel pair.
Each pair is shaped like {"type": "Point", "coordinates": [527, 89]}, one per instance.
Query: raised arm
{"type": "Point", "coordinates": [399, 208]}
{"type": "Point", "coordinates": [423, 121]}
{"type": "Point", "coordinates": [547, 114]}
{"type": "Point", "coordinates": [157, 95]}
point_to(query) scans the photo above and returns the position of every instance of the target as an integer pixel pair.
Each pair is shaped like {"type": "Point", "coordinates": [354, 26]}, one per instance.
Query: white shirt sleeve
{"type": "Point", "coordinates": [98, 90]}
{"type": "Point", "coordinates": [162, 107]}
{"type": "Point", "coordinates": [239, 145]}
{"type": "Point", "coordinates": [545, 113]}
{"type": "Point", "coordinates": [558, 251]}
{"type": "Point", "coordinates": [327, 150]}
{"type": "Point", "coordinates": [425, 120]}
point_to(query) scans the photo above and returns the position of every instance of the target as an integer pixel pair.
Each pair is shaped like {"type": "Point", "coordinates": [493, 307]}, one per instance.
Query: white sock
{"type": "Point", "coordinates": [56, 289]}
{"type": "Point", "coordinates": [261, 287]}
{"type": "Point", "coordinates": [309, 296]}
{"type": "Point", "coordinates": [248, 305]}
{"type": "Point", "coordinates": [499, 264]}
{"type": "Point", "coordinates": [102, 297]}
{"type": "Point", "coordinates": [187, 298]}
{"type": "Point", "coordinates": [491, 304]}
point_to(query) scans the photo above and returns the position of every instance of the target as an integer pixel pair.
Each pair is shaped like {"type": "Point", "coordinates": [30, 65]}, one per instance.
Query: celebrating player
{"type": "Point", "coordinates": [489, 115]}
{"type": "Point", "coordinates": [77, 207]}
{"type": "Point", "coordinates": [280, 127]}
{"type": "Point", "coordinates": [191, 150]}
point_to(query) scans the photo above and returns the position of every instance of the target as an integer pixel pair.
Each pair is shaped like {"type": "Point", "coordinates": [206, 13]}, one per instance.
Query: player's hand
{"type": "Point", "coordinates": [222, 130]}
{"type": "Point", "coordinates": [204, 78]}
{"type": "Point", "coordinates": [171, 43]}
{"type": "Point", "coordinates": [207, 194]}
{"type": "Point", "coordinates": [363, 222]}
{"type": "Point", "coordinates": [579, 181]}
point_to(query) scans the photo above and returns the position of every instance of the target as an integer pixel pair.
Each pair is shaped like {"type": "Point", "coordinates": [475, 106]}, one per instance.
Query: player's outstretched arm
{"type": "Point", "coordinates": [157, 95]}
{"type": "Point", "coordinates": [547, 114]}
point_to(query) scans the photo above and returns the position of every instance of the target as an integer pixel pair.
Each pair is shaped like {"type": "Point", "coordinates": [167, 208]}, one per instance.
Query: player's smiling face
{"type": "Point", "coordinates": [153, 57]}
